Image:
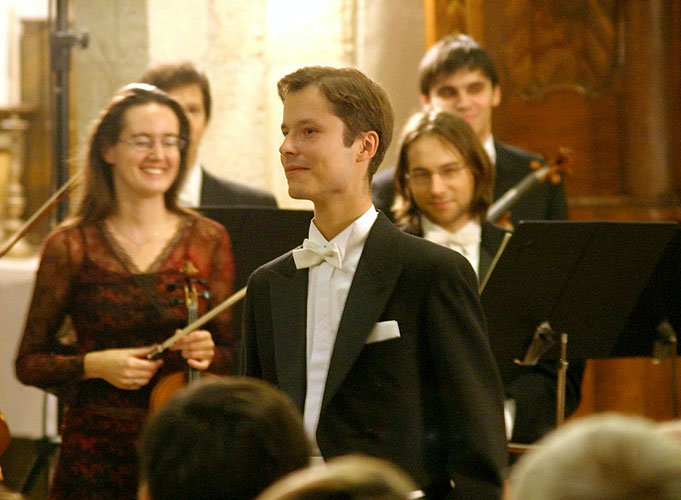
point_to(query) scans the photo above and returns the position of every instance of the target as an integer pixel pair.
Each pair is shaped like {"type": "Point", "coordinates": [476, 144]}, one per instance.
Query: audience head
{"type": "Point", "coordinates": [441, 142]}
{"type": "Point", "coordinates": [671, 428]}
{"type": "Point", "coordinates": [223, 439]}
{"type": "Point", "coordinates": [7, 494]}
{"type": "Point", "coordinates": [351, 477]}
{"type": "Point", "coordinates": [99, 198]}
{"type": "Point", "coordinates": [603, 457]}
{"type": "Point", "coordinates": [189, 85]}
{"type": "Point", "coordinates": [360, 103]}
{"type": "Point", "coordinates": [458, 75]}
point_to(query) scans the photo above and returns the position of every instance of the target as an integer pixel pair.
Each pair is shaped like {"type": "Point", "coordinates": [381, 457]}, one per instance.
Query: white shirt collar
{"type": "Point", "coordinates": [189, 194]}
{"type": "Point", "coordinates": [489, 148]}
{"type": "Point", "coordinates": [349, 238]}
{"type": "Point", "coordinates": [466, 240]}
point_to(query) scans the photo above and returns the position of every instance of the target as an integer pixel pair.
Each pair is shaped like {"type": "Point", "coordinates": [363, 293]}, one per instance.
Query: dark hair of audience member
{"type": "Point", "coordinates": [224, 439]}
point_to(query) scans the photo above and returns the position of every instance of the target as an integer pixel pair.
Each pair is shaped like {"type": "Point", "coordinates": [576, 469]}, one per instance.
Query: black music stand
{"type": "Point", "coordinates": [606, 285]}
{"type": "Point", "coordinates": [258, 236]}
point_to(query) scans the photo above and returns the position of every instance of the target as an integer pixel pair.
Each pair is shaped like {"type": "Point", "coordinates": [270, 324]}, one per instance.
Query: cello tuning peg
{"type": "Point", "coordinates": [172, 286]}
{"type": "Point", "coordinates": [174, 301]}
{"type": "Point", "coordinates": [204, 294]}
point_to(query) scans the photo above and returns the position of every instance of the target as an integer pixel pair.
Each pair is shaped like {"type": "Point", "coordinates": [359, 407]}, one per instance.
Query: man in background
{"type": "Point", "coordinates": [444, 183]}
{"type": "Point", "coordinates": [458, 75]}
{"type": "Point", "coordinates": [189, 86]}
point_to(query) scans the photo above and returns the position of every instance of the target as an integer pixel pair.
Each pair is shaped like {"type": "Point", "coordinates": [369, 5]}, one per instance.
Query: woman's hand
{"type": "Point", "coordinates": [123, 368]}
{"type": "Point", "coordinates": [197, 348]}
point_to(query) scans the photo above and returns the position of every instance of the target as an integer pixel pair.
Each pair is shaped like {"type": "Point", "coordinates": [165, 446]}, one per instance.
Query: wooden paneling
{"type": "Point", "coordinates": [602, 77]}
{"type": "Point", "coordinates": [35, 92]}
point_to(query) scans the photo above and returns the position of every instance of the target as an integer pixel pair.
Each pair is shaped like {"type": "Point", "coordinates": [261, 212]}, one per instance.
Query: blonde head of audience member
{"type": "Point", "coordinates": [7, 494]}
{"type": "Point", "coordinates": [603, 457]}
{"type": "Point", "coordinates": [352, 477]}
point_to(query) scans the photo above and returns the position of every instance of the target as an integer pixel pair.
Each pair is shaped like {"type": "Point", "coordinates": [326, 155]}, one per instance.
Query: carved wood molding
{"type": "Point", "coordinates": [548, 44]}
{"type": "Point", "coordinates": [553, 44]}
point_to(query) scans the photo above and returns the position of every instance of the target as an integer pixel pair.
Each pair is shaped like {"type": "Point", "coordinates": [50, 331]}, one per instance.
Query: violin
{"type": "Point", "coordinates": [170, 384]}
{"type": "Point", "coordinates": [541, 172]}
{"type": "Point", "coordinates": [163, 390]}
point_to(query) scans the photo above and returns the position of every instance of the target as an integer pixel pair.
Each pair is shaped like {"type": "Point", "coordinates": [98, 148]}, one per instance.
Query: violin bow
{"type": "Point", "coordinates": [194, 325]}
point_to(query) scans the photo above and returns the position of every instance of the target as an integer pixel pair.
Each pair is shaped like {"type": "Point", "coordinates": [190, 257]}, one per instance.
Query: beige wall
{"type": "Point", "coordinates": [117, 53]}
{"type": "Point", "coordinates": [245, 47]}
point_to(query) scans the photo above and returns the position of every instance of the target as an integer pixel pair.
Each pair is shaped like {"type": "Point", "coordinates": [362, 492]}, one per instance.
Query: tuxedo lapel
{"type": "Point", "coordinates": [288, 296]}
{"type": "Point", "coordinates": [372, 286]}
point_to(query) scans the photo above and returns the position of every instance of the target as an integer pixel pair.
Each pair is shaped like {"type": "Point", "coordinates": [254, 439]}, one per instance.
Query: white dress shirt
{"type": "Point", "coordinates": [189, 194]}
{"type": "Point", "coordinates": [326, 294]}
{"type": "Point", "coordinates": [488, 145]}
{"type": "Point", "coordinates": [466, 240]}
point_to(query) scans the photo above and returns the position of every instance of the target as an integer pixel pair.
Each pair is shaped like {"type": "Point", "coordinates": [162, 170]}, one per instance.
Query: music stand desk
{"type": "Point", "coordinates": [588, 280]}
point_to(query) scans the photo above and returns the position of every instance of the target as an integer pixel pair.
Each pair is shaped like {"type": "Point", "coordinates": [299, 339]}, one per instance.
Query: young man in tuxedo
{"type": "Point", "coordinates": [377, 336]}
{"type": "Point", "coordinates": [458, 75]}
{"type": "Point", "coordinates": [189, 86]}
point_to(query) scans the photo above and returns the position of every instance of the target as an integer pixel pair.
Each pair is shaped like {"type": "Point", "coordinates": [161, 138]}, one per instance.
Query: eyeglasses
{"type": "Point", "coordinates": [144, 143]}
{"type": "Point", "coordinates": [423, 177]}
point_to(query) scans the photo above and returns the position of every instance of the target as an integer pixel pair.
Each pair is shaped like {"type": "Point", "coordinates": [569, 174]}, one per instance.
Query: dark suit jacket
{"type": "Point", "coordinates": [220, 192]}
{"type": "Point", "coordinates": [430, 400]}
{"type": "Point", "coordinates": [545, 201]}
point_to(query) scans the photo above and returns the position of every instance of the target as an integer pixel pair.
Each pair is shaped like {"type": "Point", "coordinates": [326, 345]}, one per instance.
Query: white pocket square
{"type": "Point", "coordinates": [384, 330]}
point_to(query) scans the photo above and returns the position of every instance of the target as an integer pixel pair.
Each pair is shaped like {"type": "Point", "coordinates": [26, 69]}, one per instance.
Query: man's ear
{"type": "Point", "coordinates": [496, 95]}
{"type": "Point", "coordinates": [425, 103]}
{"type": "Point", "coordinates": [107, 154]}
{"type": "Point", "coordinates": [368, 142]}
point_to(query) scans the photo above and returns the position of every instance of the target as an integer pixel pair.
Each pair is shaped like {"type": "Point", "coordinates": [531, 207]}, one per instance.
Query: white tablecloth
{"type": "Point", "coordinates": [24, 407]}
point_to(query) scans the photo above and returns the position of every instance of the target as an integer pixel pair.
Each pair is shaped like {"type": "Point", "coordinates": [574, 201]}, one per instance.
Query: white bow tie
{"type": "Point", "coordinates": [312, 254]}
{"type": "Point", "coordinates": [459, 241]}
{"type": "Point", "coordinates": [461, 238]}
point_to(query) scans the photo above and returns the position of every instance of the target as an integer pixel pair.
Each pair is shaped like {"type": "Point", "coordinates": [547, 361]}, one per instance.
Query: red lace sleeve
{"type": "Point", "coordinates": [221, 285]}
{"type": "Point", "coordinates": [36, 363]}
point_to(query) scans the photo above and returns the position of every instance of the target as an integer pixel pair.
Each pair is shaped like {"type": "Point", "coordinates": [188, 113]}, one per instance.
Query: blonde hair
{"type": "Point", "coordinates": [353, 477]}
{"type": "Point", "coordinates": [603, 457]}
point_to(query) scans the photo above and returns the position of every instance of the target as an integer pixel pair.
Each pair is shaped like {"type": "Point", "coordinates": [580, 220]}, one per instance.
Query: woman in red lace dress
{"type": "Point", "coordinates": [116, 270]}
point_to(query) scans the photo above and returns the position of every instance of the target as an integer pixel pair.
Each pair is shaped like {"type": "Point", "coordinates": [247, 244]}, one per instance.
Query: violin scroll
{"type": "Point", "coordinates": [541, 172]}
{"type": "Point", "coordinates": [555, 167]}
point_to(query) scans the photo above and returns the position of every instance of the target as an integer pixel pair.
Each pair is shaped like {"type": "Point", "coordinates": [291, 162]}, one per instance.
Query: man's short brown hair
{"type": "Point", "coordinates": [451, 54]}
{"type": "Point", "coordinates": [355, 98]}
{"type": "Point", "coordinates": [171, 75]}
